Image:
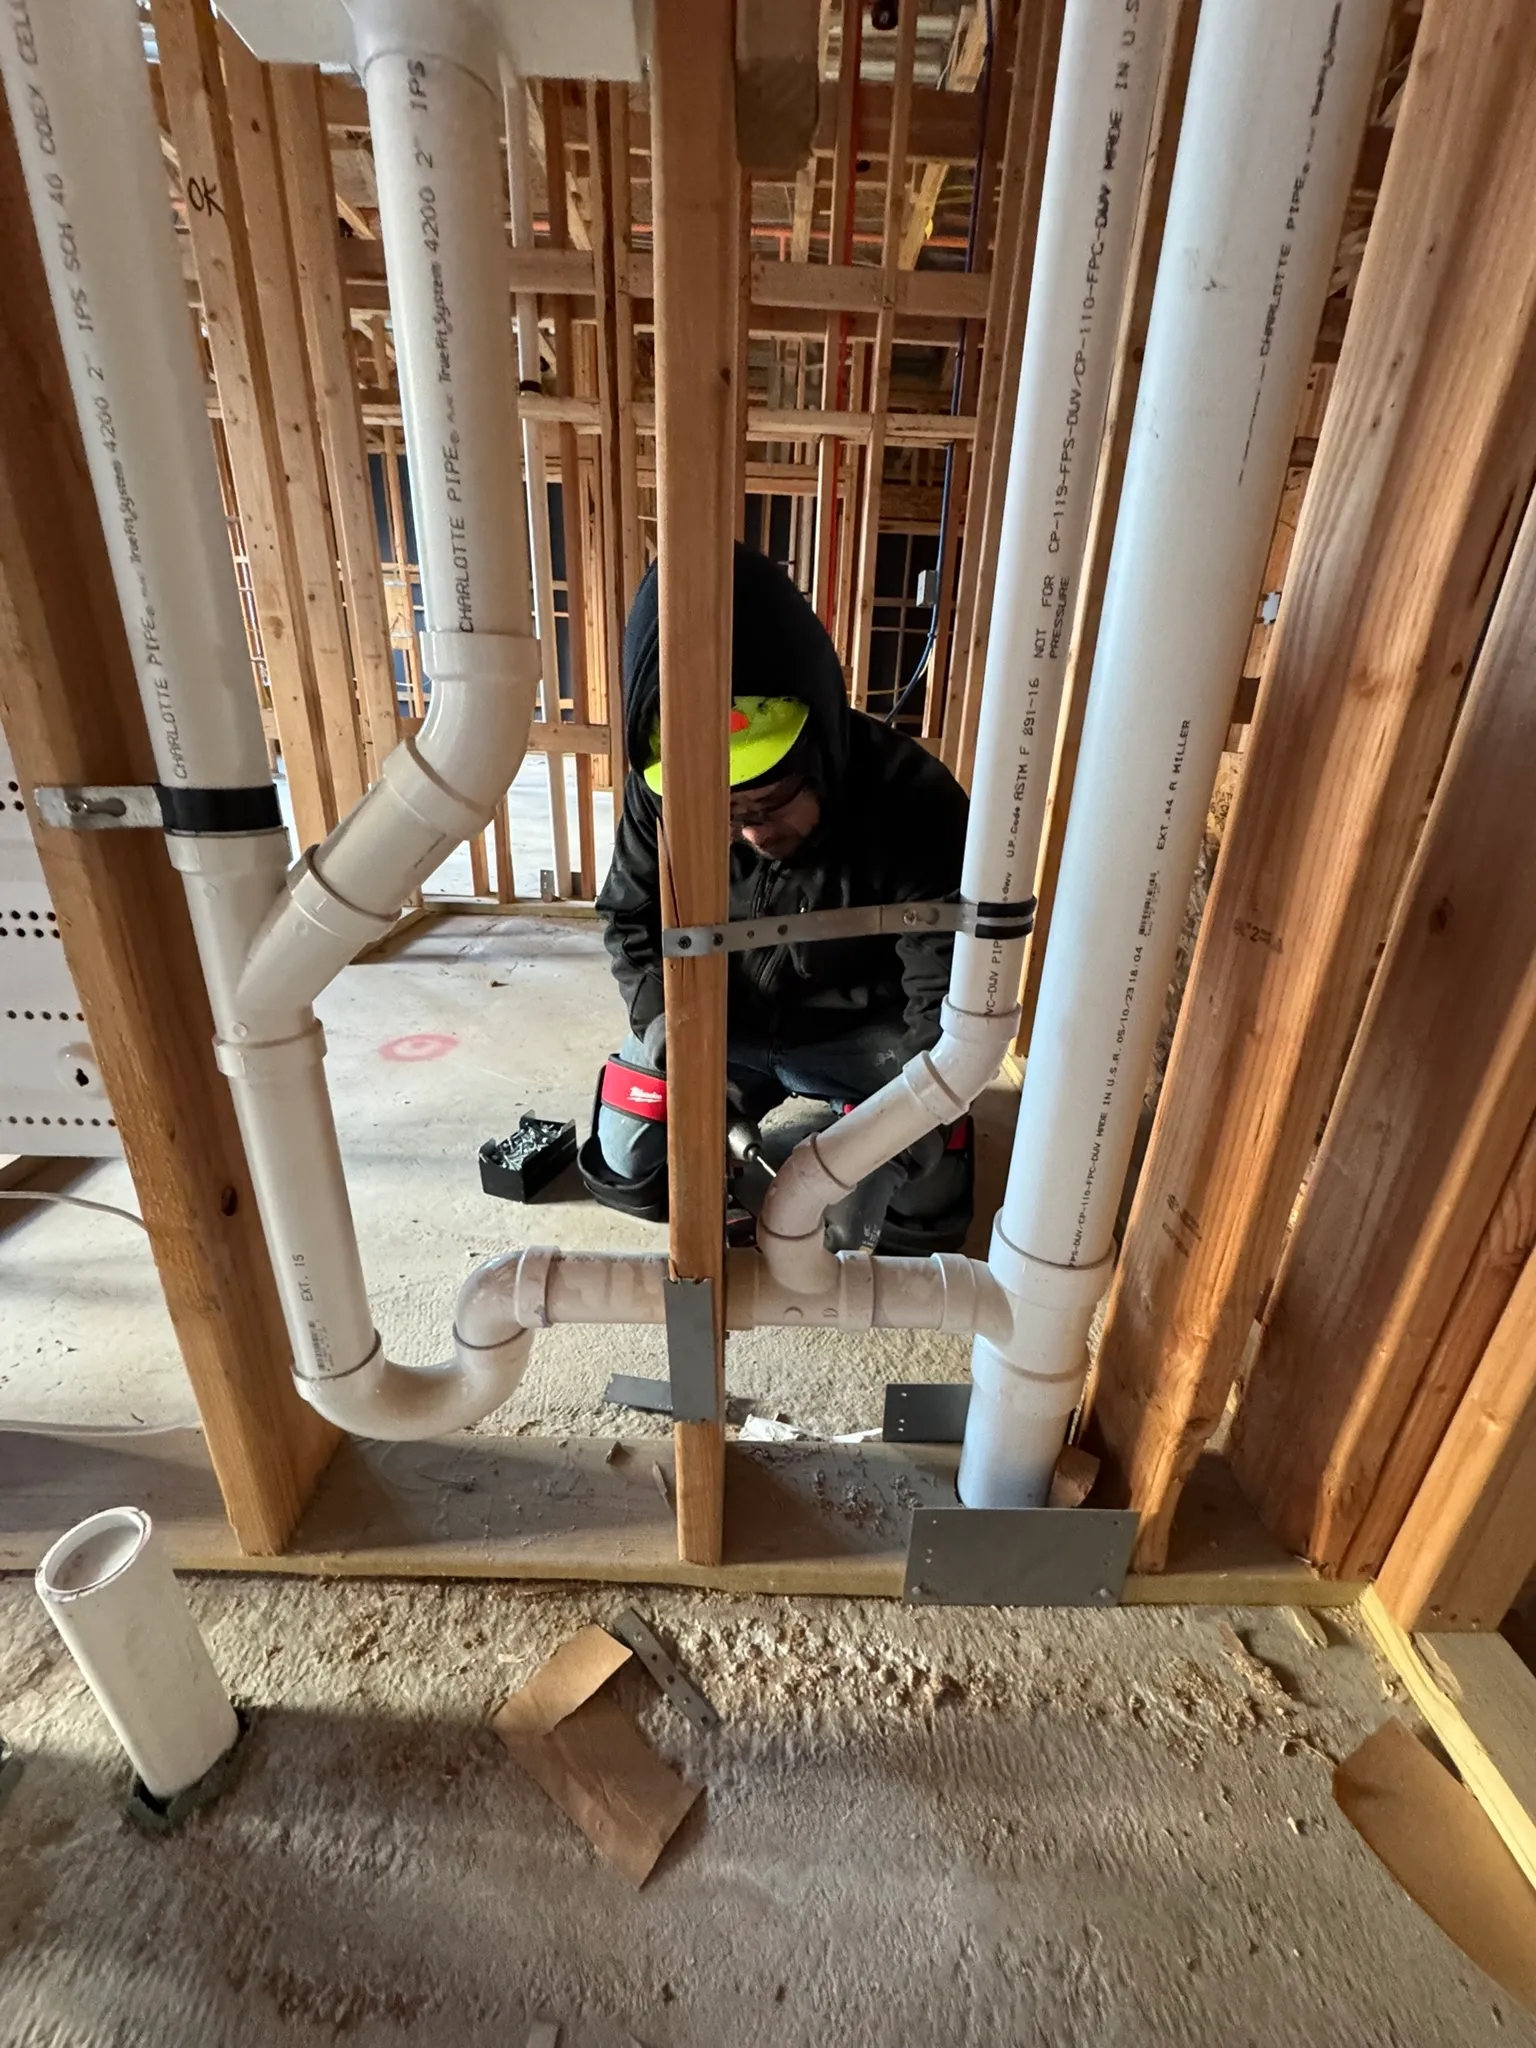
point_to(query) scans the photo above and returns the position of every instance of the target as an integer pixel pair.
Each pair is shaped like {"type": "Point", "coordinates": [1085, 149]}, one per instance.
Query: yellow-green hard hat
{"type": "Point", "coordinates": [763, 729]}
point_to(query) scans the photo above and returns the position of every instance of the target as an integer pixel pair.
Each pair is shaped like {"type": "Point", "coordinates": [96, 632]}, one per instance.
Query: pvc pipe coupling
{"type": "Point", "coordinates": [1025, 1386]}
{"type": "Point", "coordinates": [456, 31]}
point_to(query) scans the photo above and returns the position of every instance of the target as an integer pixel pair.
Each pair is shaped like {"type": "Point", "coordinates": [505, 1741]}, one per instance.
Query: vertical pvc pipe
{"type": "Point", "coordinates": [431, 72]}
{"type": "Point", "coordinates": [1101, 121]}
{"type": "Point", "coordinates": [114, 1599]}
{"type": "Point", "coordinates": [1112, 54]}
{"type": "Point", "coordinates": [1277, 100]}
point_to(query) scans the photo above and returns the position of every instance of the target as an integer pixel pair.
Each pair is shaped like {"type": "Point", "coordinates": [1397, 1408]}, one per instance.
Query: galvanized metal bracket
{"type": "Point", "coordinates": [101, 807]}
{"type": "Point", "coordinates": [668, 1674]}
{"type": "Point", "coordinates": [1019, 1557]}
{"type": "Point", "coordinates": [629, 1390]}
{"type": "Point", "coordinates": [865, 920]}
{"type": "Point", "coordinates": [921, 1412]}
{"type": "Point", "coordinates": [690, 1313]}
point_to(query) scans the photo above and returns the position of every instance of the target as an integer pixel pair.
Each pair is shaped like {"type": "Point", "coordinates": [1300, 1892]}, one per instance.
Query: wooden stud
{"type": "Point", "coordinates": [253, 124]}
{"type": "Point", "coordinates": [506, 881]}
{"type": "Point", "coordinates": [311, 197]}
{"type": "Point", "coordinates": [967, 375]}
{"type": "Point", "coordinates": [479, 866]}
{"type": "Point", "coordinates": [880, 368]}
{"type": "Point", "coordinates": [188, 43]}
{"type": "Point", "coordinates": [1468, 1543]}
{"type": "Point", "coordinates": [1036, 49]}
{"type": "Point", "coordinates": [572, 523]}
{"type": "Point", "coordinates": [696, 209]}
{"type": "Point", "coordinates": [830, 459]}
{"type": "Point", "coordinates": [405, 633]}
{"type": "Point", "coordinates": [1440, 1089]}
{"type": "Point", "coordinates": [967, 61]}
{"type": "Point", "coordinates": [1425, 461]}
{"type": "Point", "coordinates": [1506, 1244]}
{"type": "Point", "coordinates": [616, 475]}
{"type": "Point", "coordinates": [73, 715]}
{"type": "Point", "coordinates": [1146, 253]}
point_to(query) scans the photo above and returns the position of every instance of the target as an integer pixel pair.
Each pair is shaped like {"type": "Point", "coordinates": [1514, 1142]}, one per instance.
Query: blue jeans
{"type": "Point", "coordinates": [921, 1183]}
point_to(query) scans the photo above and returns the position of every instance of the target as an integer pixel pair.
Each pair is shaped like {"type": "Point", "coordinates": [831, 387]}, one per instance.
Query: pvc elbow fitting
{"type": "Point", "coordinates": [403, 1403]}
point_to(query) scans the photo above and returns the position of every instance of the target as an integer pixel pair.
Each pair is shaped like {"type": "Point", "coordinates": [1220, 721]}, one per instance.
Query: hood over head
{"type": "Point", "coordinates": [779, 648]}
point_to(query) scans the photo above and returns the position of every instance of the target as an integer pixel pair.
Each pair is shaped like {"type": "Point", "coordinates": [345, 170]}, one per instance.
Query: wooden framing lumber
{"type": "Point", "coordinates": [880, 367]}
{"type": "Point", "coordinates": [1480, 1703]}
{"type": "Point", "coordinates": [695, 187]}
{"type": "Point", "coordinates": [72, 715]}
{"type": "Point", "coordinates": [968, 58]}
{"type": "Point", "coordinates": [1425, 461]}
{"type": "Point", "coordinates": [1468, 1542]}
{"type": "Point", "coordinates": [188, 42]}
{"type": "Point", "coordinates": [311, 199]}
{"type": "Point", "coordinates": [1439, 1093]}
{"type": "Point", "coordinates": [569, 1508]}
{"type": "Point", "coordinates": [253, 125]}
{"type": "Point", "coordinates": [830, 459]}
{"type": "Point", "coordinates": [1507, 1242]}
{"type": "Point", "coordinates": [572, 523]}
{"type": "Point", "coordinates": [616, 466]}
{"type": "Point", "coordinates": [1037, 46]}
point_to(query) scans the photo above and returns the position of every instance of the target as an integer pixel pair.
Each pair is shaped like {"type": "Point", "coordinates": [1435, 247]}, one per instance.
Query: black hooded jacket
{"type": "Point", "coordinates": [892, 830]}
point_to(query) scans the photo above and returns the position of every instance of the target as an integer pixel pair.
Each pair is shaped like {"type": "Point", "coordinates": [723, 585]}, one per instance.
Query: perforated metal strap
{"type": "Point", "coordinates": [864, 920]}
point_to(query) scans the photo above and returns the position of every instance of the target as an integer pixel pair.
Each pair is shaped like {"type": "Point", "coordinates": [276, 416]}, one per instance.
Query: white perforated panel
{"type": "Point", "coordinates": [52, 1101]}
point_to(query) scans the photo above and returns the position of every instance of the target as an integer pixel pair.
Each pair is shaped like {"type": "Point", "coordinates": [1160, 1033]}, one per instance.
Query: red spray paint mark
{"type": "Point", "coordinates": [418, 1045]}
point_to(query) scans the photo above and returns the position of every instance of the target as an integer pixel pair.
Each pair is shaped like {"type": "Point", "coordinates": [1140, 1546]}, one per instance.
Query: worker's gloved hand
{"type": "Point", "coordinates": [654, 1039]}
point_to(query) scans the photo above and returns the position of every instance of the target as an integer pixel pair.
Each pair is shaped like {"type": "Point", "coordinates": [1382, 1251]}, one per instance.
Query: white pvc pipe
{"type": "Point", "coordinates": [1277, 100]}
{"type": "Point", "coordinates": [75, 77]}
{"type": "Point", "coordinates": [504, 1301]}
{"type": "Point", "coordinates": [78, 89]}
{"type": "Point", "coordinates": [1112, 57]}
{"type": "Point", "coordinates": [535, 474]}
{"type": "Point", "coordinates": [114, 1599]}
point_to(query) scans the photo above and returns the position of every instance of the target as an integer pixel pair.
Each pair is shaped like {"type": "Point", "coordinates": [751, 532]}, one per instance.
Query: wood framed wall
{"type": "Point", "coordinates": [845, 344]}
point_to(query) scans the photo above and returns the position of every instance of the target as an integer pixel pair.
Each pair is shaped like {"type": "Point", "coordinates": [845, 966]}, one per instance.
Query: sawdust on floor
{"type": "Point", "coordinates": [918, 1826]}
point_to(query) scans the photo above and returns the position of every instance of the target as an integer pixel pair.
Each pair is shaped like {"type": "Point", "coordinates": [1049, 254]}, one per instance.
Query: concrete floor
{"type": "Point", "coordinates": [919, 1826]}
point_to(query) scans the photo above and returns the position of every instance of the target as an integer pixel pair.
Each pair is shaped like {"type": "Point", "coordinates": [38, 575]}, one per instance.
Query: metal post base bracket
{"type": "Point", "coordinates": [926, 1412]}
{"type": "Point", "coordinates": [690, 1313]}
{"type": "Point", "coordinates": [1019, 1557]}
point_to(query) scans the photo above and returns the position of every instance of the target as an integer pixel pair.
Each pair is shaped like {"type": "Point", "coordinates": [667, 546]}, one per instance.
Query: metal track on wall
{"type": "Point", "coordinates": [52, 1099]}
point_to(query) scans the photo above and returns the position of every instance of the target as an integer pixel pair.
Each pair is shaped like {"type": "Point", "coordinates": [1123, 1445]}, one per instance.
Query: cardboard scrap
{"type": "Point", "coordinates": [1444, 1851]}
{"type": "Point", "coordinates": [583, 1750]}
{"type": "Point", "coordinates": [1072, 1481]}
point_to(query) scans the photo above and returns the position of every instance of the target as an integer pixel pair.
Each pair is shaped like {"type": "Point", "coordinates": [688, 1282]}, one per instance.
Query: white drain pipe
{"type": "Point", "coordinates": [114, 1599]}
{"type": "Point", "coordinates": [1112, 56]}
{"type": "Point", "coordinates": [78, 89]}
{"type": "Point", "coordinates": [1277, 100]}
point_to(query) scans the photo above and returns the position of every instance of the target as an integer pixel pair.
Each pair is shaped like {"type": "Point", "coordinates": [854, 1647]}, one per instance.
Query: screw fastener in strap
{"type": "Point", "coordinates": [865, 920]}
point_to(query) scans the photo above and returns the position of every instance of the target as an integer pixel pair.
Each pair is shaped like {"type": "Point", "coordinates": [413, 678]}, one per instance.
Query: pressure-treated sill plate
{"type": "Point", "coordinates": [1019, 1557]}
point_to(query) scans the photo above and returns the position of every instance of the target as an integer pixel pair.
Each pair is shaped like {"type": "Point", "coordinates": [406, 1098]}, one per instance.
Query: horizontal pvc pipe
{"type": "Point", "coordinates": [1276, 104]}
{"type": "Point", "coordinates": [1111, 59]}
{"type": "Point", "coordinates": [113, 1598]}
{"type": "Point", "coordinates": [78, 89]}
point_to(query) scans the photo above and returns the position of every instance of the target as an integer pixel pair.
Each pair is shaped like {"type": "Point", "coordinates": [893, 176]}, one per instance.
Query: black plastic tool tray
{"type": "Point", "coordinates": [522, 1166]}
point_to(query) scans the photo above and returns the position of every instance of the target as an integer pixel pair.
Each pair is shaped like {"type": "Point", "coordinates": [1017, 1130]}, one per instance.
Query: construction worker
{"type": "Point", "coordinates": [829, 809]}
